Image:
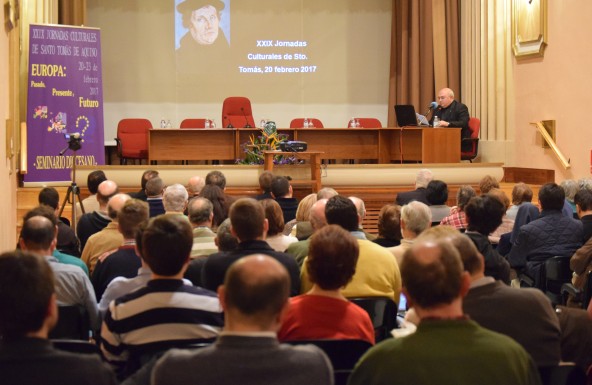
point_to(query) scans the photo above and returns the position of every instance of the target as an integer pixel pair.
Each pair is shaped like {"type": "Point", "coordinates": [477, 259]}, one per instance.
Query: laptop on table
{"type": "Point", "coordinates": [406, 116]}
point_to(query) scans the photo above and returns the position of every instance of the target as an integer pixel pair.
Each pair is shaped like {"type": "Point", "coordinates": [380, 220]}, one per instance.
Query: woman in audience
{"type": "Point", "coordinates": [527, 212]}
{"type": "Point", "coordinates": [216, 195]}
{"type": "Point", "coordinates": [487, 183]}
{"type": "Point", "coordinates": [437, 196]}
{"type": "Point", "coordinates": [275, 218]}
{"type": "Point", "coordinates": [389, 226]}
{"type": "Point", "coordinates": [300, 227]}
{"type": "Point", "coordinates": [457, 217]}
{"type": "Point", "coordinates": [521, 193]}
{"type": "Point", "coordinates": [323, 312]}
{"type": "Point", "coordinates": [507, 223]}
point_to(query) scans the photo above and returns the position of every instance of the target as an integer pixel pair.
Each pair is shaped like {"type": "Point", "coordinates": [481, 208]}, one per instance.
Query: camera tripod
{"type": "Point", "coordinates": [73, 193]}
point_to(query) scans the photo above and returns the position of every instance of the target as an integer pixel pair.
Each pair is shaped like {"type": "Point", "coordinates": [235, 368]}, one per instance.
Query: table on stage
{"type": "Point", "coordinates": [315, 166]}
{"type": "Point", "coordinates": [384, 145]}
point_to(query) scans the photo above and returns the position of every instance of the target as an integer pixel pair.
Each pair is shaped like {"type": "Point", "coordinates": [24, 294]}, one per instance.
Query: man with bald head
{"type": "Point", "coordinates": [453, 113]}
{"type": "Point", "coordinates": [254, 297]}
{"type": "Point", "coordinates": [93, 222]}
{"type": "Point", "coordinates": [299, 250]}
{"type": "Point", "coordinates": [361, 208]}
{"type": "Point", "coordinates": [460, 351]}
{"type": "Point", "coordinates": [108, 238]}
{"type": "Point", "coordinates": [195, 184]}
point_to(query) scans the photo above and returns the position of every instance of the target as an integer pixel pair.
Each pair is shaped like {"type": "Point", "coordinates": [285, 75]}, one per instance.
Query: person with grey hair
{"type": "Point", "coordinates": [570, 187]}
{"type": "Point", "coordinates": [423, 177]}
{"type": "Point", "coordinates": [195, 184]}
{"type": "Point", "coordinates": [457, 217]}
{"type": "Point", "coordinates": [361, 208]}
{"type": "Point", "coordinates": [452, 113]}
{"type": "Point", "coordinates": [415, 218]}
{"type": "Point", "coordinates": [154, 190]}
{"type": "Point", "coordinates": [201, 215]}
{"type": "Point", "coordinates": [175, 199]}
{"type": "Point", "coordinates": [326, 193]}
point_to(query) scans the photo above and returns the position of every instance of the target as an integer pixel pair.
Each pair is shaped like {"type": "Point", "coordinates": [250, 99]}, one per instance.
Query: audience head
{"type": "Point", "coordinates": [200, 211]}
{"type": "Point", "coordinates": [583, 200]}
{"type": "Point", "coordinates": [195, 185]}
{"type": "Point", "coordinates": [225, 240]}
{"type": "Point", "coordinates": [42, 211]}
{"type": "Point", "coordinates": [432, 275]}
{"type": "Point", "coordinates": [551, 197]}
{"type": "Point", "coordinates": [94, 179]}
{"type": "Point", "coordinates": [166, 244]}
{"type": "Point", "coordinates": [247, 219]}
{"type": "Point", "coordinates": [175, 198]}
{"type": "Point", "coordinates": [342, 211]}
{"type": "Point", "coordinates": [38, 235]}
{"type": "Point", "coordinates": [332, 257]}
{"type": "Point", "coordinates": [274, 215]}
{"type": "Point", "coordinates": [389, 222]}
{"type": "Point", "coordinates": [464, 194]}
{"type": "Point", "coordinates": [585, 183]}
{"type": "Point", "coordinates": [487, 183]}
{"type": "Point", "coordinates": [105, 191]}
{"type": "Point", "coordinates": [423, 177]}
{"type": "Point", "coordinates": [216, 195]}
{"type": "Point", "coordinates": [521, 193]}
{"type": "Point", "coordinates": [28, 302]}
{"type": "Point", "coordinates": [416, 217]}
{"type": "Point", "coordinates": [130, 216]}
{"type": "Point", "coordinates": [146, 176]}
{"type": "Point", "coordinates": [154, 187]}
{"type": "Point", "coordinates": [216, 178]}
{"type": "Point", "coordinates": [255, 293]}
{"type": "Point", "coordinates": [437, 192]}
{"type": "Point", "coordinates": [484, 214]}
{"type": "Point", "coordinates": [280, 187]}
{"type": "Point", "coordinates": [501, 196]}
{"type": "Point", "coordinates": [570, 188]}
{"type": "Point", "coordinates": [265, 181]}
{"type": "Point", "coordinates": [115, 204]}
{"type": "Point", "coordinates": [49, 196]}
{"type": "Point", "coordinates": [317, 214]}
{"type": "Point", "coordinates": [360, 207]}
{"type": "Point", "coordinates": [303, 210]}
{"type": "Point", "coordinates": [326, 193]}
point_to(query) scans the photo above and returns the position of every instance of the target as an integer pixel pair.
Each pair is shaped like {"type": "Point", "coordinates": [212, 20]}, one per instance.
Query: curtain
{"type": "Point", "coordinates": [72, 12]}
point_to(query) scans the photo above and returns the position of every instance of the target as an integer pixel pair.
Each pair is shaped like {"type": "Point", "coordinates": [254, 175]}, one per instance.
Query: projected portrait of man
{"type": "Point", "coordinates": [202, 19]}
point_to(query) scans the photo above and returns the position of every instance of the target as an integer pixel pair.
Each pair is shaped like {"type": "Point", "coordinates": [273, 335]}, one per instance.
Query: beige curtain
{"type": "Point", "coordinates": [425, 52]}
{"type": "Point", "coordinates": [72, 12]}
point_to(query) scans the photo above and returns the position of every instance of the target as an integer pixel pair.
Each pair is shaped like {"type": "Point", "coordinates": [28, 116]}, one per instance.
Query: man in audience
{"type": "Point", "coordinates": [108, 238]}
{"type": "Point", "coordinates": [123, 261]}
{"type": "Point", "coordinates": [282, 193]}
{"type": "Point", "coordinates": [377, 273]}
{"type": "Point", "coordinates": [423, 177]}
{"type": "Point", "coordinates": [326, 193]}
{"type": "Point", "coordinates": [457, 217]}
{"type": "Point", "coordinates": [72, 286]}
{"type": "Point", "coordinates": [526, 315]}
{"type": "Point", "coordinates": [254, 295]}
{"type": "Point", "coordinates": [154, 190]}
{"type": "Point", "coordinates": [29, 312]}
{"type": "Point", "coordinates": [166, 312]}
{"type": "Point", "coordinates": [583, 201]}
{"type": "Point", "coordinates": [448, 347]}
{"type": "Point", "coordinates": [415, 218]}
{"type": "Point", "coordinates": [249, 225]}
{"type": "Point", "coordinates": [265, 179]}
{"type": "Point", "coordinates": [437, 196]}
{"type": "Point", "coordinates": [201, 215]}
{"type": "Point", "coordinates": [361, 208]}
{"type": "Point", "coordinates": [95, 221]}
{"type": "Point", "coordinates": [217, 178]}
{"type": "Point", "coordinates": [68, 243]}
{"type": "Point", "coordinates": [299, 250]}
{"type": "Point", "coordinates": [195, 184]}
{"type": "Point", "coordinates": [551, 234]}
{"type": "Point", "coordinates": [91, 203]}
{"type": "Point", "coordinates": [175, 199]}
{"type": "Point", "coordinates": [146, 176]}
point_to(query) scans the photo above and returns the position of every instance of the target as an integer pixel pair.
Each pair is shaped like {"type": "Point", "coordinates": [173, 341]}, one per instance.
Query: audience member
{"type": "Point", "coordinates": [583, 201]}
{"type": "Point", "coordinates": [220, 202]}
{"type": "Point", "coordinates": [484, 214]}
{"type": "Point", "coordinates": [195, 185]}
{"type": "Point", "coordinates": [282, 193]}
{"type": "Point", "coordinates": [437, 196]}
{"type": "Point", "coordinates": [457, 217]}
{"type": "Point", "coordinates": [175, 199]}
{"type": "Point", "coordinates": [108, 238]}
{"type": "Point", "coordinates": [552, 234]}
{"type": "Point", "coordinates": [299, 250]}
{"type": "Point", "coordinates": [326, 193]}
{"type": "Point", "coordinates": [570, 188]}
{"type": "Point", "coordinates": [275, 218]}
{"type": "Point", "coordinates": [300, 226]}
{"type": "Point", "coordinates": [216, 178]}
{"type": "Point", "coordinates": [323, 312]}
{"type": "Point", "coordinates": [72, 286]}
{"type": "Point", "coordinates": [377, 273]}
{"type": "Point", "coordinates": [154, 191]}
{"type": "Point", "coordinates": [581, 264]}
{"type": "Point", "coordinates": [68, 242]}
{"type": "Point", "coordinates": [165, 312]}
{"type": "Point", "coordinates": [423, 177]}
{"type": "Point", "coordinates": [29, 312]}
{"type": "Point", "coordinates": [254, 295]}
{"type": "Point", "coordinates": [201, 215]}
{"type": "Point", "coordinates": [249, 225]}
{"type": "Point", "coordinates": [454, 348]}
{"type": "Point", "coordinates": [389, 226]}
{"type": "Point", "coordinates": [487, 183]}
{"type": "Point", "coordinates": [146, 176]}
{"type": "Point", "coordinates": [123, 261]}
{"type": "Point", "coordinates": [265, 179]}
{"type": "Point", "coordinates": [415, 218]}
{"type": "Point", "coordinates": [361, 208]}
{"type": "Point", "coordinates": [521, 193]}
{"type": "Point", "coordinates": [527, 212]}
{"type": "Point", "coordinates": [95, 221]}
{"type": "Point", "coordinates": [507, 223]}
{"type": "Point", "coordinates": [91, 203]}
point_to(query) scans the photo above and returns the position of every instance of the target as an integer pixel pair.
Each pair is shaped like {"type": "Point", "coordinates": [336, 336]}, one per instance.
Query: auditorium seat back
{"type": "Point", "coordinates": [193, 123]}
{"type": "Point", "coordinates": [236, 110]}
{"type": "Point", "coordinates": [299, 123]}
{"type": "Point", "coordinates": [368, 123]}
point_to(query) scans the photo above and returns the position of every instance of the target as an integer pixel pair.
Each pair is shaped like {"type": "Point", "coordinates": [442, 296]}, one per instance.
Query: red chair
{"type": "Point", "coordinates": [474, 126]}
{"type": "Point", "coordinates": [132, 139]}
{"type": "Point", "coordinates": [368, 123]}
{"type": "Point", "coordinates": [193, 123]}
{"type": "Point", "coordinates": [237, 112]}
{"type": "Point", "coordinates": [299, 123]}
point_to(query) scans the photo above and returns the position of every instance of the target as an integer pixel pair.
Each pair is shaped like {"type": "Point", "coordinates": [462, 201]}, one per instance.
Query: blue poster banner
{"type": "Point", "coordinates": [65, 101]}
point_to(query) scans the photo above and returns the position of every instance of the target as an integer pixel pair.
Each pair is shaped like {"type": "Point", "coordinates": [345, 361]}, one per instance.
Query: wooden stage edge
{"type": "Point", "coordinates": [241, 176]}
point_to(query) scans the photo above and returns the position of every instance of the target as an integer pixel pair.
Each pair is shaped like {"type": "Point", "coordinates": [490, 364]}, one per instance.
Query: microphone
{"type": "Point", "coordinates": [246, 119]}
{"type": "Point", "coordinates": [229, 123]}
{"type": "Point", "coordinates": [431, 107]}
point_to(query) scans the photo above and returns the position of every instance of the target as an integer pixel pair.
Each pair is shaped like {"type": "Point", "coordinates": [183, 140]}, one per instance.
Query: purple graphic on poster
{"type": "Point", "coordinates": [65, 97]}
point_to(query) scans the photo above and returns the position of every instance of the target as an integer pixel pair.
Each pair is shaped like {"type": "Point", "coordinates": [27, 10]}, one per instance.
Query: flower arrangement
{"type": "Point", "coordinates": [268, 140]}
